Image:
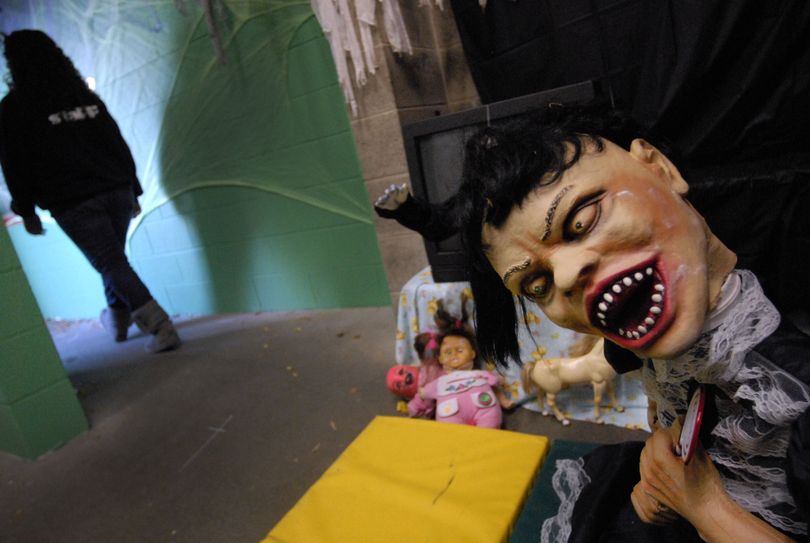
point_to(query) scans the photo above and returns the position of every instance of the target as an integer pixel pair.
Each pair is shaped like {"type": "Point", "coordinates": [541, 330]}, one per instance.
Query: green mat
{"type": "Point", "coordinates": [542, 502]}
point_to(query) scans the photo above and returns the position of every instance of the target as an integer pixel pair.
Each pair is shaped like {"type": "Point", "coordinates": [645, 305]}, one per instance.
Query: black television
{"type": "Point", "coordinates": [434, 149]}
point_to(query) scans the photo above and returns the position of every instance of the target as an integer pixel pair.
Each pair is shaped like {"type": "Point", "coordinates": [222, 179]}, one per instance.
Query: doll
{"type": "Point", "coordinates": [404, 380]}
{"type": "Point", "coordinates": [463, 395]}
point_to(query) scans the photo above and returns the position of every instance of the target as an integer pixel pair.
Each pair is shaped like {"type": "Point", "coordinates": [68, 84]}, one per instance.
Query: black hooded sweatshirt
{"type": "Point", "coordinates": [56, 157]}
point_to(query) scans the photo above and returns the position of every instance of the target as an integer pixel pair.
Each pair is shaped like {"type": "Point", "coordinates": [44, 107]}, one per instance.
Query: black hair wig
{"type": "Point", "coordinates": [503, 164]}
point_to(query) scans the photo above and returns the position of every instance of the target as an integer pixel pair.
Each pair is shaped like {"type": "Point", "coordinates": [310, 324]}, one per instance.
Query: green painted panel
{"type": "Point", "coordinates": [12, 439]}
{"type": "Point", "coordinates": [339, 155]}
{"type": "Point", "coordinates": [285, 292]}
{"type": "Point", "coordinates": [306, 32]}
{"type": "Point", "coordinates": [63, 282]}
{"type": "Point", "coordinates": [172, 234]}
{"type": "Point", "coordinates": [350, 245]}
{"type": "Point", "coordinates": [317, 115]}
{"type": "Point", "coordinates": [226, 296]}
{"type": "Point", "coordinates": [161, 269]}
{"type": "Point", "coordinates": [139, 245]}
{"type": "Point", "coordinates": [8, 256]}
{"type": "Point", "coordinates": [20, 311]}
{"type": "Point", "coordinates": [49, 418]}
{"type": "Point", "coordinates": [310, 67]}
{"type": "Point", "coordinates": [347, 287]}
{"type": "Point", "coordinates": [30, 363]}
{"type": "Point", "coordinates": [274, 214]}
{"type": "Point", "coordinates": [202, 200]}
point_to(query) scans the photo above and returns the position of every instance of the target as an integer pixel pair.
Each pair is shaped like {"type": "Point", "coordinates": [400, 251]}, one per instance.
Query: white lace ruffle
{"type": "Point", "coordinates": [568, 481]}
{"type": "Point", "coordinates": [753, 427]}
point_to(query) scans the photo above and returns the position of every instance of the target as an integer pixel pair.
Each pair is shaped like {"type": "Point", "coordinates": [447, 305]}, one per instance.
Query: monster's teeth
{"type": "Point", "coordinates": [610, 297]}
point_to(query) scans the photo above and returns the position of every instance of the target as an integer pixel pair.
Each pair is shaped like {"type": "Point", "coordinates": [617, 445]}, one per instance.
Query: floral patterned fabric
{"type": "Point", "coordinates": [541, 338]}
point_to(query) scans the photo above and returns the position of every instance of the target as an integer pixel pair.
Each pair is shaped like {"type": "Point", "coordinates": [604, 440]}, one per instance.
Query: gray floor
{"type": "Point", "coordinates": [216, 441]}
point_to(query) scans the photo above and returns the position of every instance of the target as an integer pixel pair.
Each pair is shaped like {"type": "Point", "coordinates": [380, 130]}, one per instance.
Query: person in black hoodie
{"type": "Point", "coordinates": [62, 151]}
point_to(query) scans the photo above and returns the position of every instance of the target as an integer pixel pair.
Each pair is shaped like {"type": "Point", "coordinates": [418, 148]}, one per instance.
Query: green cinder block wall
{"type": "Point", "coordinates": [236, 250]}
{"type": "Point", "coordinates": [220, 249]}
{"type": "Point", "coordinates": [38, 406]}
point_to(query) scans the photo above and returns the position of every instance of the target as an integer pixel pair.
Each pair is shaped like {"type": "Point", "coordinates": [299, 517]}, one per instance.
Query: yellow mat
{"type": "Point", "coordinates": [413, 481]}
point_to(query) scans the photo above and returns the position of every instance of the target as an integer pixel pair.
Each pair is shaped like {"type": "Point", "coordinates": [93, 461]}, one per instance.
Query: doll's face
{"type": "Point", "coordinates": [611, 249]}
{"type": "Point", "coordinates": [403, 381]}
{"type": "Point", "coordinates": [456, 353]}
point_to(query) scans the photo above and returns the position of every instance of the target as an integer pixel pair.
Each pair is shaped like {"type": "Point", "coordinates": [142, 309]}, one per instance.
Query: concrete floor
{"type": "Point", "coordinates": [216, 441]}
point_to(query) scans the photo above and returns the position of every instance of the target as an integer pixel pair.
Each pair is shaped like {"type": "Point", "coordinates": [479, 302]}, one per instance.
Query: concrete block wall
{"type": "Point", "coordinates": [434, 81]}
{"type": "Point", "coordinates": [38, 406]}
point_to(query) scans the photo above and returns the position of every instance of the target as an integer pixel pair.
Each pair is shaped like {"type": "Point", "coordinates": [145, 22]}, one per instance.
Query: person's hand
{"type": "Point", "coordinates": [393, 197]}
{"type": "Point", "coordinates": [668, 487]}
{"type": "Point", "coordinates": [33, 225]}
{"type": "Point", "coordinates": [136, 208]}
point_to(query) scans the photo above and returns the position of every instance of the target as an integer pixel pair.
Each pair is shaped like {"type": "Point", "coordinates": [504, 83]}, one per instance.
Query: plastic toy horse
{"type": "Point", "coordinates": [586, 365]}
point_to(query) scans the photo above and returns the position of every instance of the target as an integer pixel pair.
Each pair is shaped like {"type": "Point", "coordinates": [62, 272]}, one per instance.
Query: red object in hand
{"type": "Point", "coordinates": [691, 425]}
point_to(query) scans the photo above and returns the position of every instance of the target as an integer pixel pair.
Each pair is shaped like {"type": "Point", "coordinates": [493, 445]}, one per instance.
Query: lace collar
{"type": "Point", "coordinates": [761, 400]}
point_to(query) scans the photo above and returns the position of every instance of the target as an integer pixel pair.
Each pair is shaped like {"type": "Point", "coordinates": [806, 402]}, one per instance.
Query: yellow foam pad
{"type": "Point", "coordinates": [409, 480]}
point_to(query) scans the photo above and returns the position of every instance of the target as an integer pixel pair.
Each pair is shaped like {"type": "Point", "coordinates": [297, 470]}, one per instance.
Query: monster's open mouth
{"type": "Point", "coordinates": [631, 304]}
{"type": "Point", "coordinates": [408, 378]}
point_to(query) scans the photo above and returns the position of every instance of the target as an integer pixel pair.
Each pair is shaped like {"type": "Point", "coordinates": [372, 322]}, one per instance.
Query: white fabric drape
{"type": "Point", "coordinates": [349, 26]}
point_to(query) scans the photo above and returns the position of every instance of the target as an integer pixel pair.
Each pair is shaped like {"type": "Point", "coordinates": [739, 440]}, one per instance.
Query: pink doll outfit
{"type": "Point", "coordinates": [466, 397]}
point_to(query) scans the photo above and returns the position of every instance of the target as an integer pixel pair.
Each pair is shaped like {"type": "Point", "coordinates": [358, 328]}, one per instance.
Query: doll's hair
{"type": "Point", "coordinates": [503, 164]}
{"type": "Point", "coordinates": [426, 345]}
{"type": "Point", "coordinates": [449, 325]}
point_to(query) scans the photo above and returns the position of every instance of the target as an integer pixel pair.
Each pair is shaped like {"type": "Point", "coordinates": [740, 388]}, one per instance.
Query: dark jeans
{"type": "Point", "coordinates": [98, 226]}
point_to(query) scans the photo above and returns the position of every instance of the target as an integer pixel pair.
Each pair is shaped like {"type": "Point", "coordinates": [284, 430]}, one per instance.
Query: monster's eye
{"type": "Point", "coordinates": [537, 287]}
{"type": "Point", "coordinates": [582, 219]}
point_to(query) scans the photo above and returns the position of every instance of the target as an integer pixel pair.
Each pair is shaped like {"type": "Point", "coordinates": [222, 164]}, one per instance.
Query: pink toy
{"type": "Point", "coordinates": [466, 397]}
{"type": "Point", "coordinates": [404, 381]}
{"type": "Point", "coordinates": [463, 395]}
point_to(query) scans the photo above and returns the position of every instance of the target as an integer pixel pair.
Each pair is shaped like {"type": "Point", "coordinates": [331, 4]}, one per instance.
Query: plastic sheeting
{"type": "Point", "coordinates": [191, 120]}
